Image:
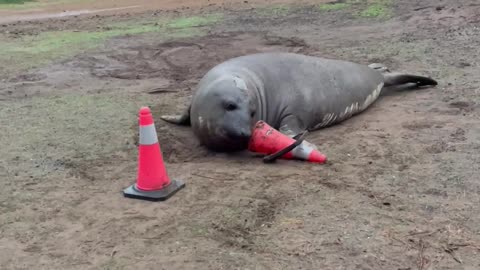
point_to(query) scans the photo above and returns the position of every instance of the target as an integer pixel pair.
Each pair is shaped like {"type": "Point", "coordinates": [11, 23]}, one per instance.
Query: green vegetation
{"type": "Point", "coordinates": [334, 6]}
{"type": "Point", "coordinates": [369, 8]}
{"type": "Point", "coordinates": [31, 51]}
{"type": "Point", "coordinates": [45, 134]}
{"type": "Point", "coordinates": [26, 4]}
{"type": "Point", "coordinates": [378, 8]}
{"type": "Point", "coordinates": [16, 2]}
{"type": "Point", "coordinates": [48, 42]}
{"type": "Point", "coordinates": [196, 21]}
{"type": "Point", "coordinates": [375, 10]}
{"type": "Point", "coordinates": [274, 10]}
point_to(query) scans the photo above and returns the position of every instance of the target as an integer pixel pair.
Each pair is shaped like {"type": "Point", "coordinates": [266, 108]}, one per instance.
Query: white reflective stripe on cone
{"type": "Point", "coordinates": [148, 135]}
{"type": "Point", "coordinates": [302, 151]}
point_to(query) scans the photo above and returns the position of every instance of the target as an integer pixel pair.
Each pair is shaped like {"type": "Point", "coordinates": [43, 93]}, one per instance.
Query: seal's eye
{"type": "Point", "coordinates": [252, 114]}
{"type": "Point", "coordinates": [230, 106]}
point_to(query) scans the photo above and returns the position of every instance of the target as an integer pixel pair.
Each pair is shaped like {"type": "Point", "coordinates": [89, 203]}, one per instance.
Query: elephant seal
{"type": "Point", "coordinates": [291, 92]}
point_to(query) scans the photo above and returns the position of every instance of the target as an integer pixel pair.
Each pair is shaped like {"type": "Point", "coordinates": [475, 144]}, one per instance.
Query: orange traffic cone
{"type": "Point", "coordinates": [153, 182]}
{"type": "Point", "coordinates": [267, 140]}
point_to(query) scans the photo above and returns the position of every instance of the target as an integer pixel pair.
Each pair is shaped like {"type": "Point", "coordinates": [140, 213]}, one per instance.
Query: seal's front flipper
{"type": "Point", "coordinates": [291, 127]}
{"type": "Point", "coordinates": [286, 130]}
{"type": "Point", "coordinates": [182, 119]}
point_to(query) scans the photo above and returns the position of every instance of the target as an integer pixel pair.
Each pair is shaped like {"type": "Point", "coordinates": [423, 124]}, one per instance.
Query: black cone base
{"type": "Point", "coordinates": [157, 195]}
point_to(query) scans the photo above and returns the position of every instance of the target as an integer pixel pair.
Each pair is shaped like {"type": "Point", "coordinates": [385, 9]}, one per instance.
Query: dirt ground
{"type": "Point", "coordinates": [401, 190]}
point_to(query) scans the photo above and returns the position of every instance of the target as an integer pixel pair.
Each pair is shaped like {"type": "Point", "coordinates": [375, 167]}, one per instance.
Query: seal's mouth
{"type": "Point", "coordinates": [225, 142]}
{"type": "Point", "coordinates": [229, 146]}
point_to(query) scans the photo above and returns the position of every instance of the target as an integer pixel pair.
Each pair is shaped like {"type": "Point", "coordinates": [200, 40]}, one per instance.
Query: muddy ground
{"type": "Point", "coordinates": [401, 190]}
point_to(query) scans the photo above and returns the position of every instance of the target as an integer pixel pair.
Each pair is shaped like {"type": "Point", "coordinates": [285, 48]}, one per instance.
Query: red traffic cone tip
{"type": "Point", "coordinates": [317, 157]}
{"type": "Point", "coordinates": [145, 116]}
{"type": "Point", "coordinates": [145, 110]}
{"type": "Point", "coordinates": [267, 140]}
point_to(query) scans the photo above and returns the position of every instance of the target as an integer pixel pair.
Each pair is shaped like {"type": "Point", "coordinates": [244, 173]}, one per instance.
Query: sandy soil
{"type": "Point", "coordinates": [401, 190]}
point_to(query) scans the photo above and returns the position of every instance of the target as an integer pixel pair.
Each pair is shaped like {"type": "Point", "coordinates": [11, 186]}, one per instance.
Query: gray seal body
{"type": "Point", "coordinates": [291, 92]}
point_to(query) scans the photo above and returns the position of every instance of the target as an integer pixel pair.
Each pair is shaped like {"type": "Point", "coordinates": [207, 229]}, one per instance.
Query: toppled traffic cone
{"type": "Point", "coordinates": [267, 140]}
{"type": "Point", "coordinates": [153, 182]}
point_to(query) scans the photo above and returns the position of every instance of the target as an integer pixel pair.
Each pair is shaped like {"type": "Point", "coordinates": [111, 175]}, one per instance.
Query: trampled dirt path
{"type": "Point", "coordinates": [401, 190]}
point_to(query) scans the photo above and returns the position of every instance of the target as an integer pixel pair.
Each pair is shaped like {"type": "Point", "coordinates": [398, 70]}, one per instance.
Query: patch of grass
{"type": "Point", "coordinates": [198, 230]}
{"type": "Point", "coordinates": [377, 9]}
{"type": "Point", "coordinates": [16, 2]}
{"type": "Point", "coordinates": [275, 10]}
{"type": "Point", "coordinates": [66, 126]}
{"type": "Point", "coordinates": [334, 6]}
{"type": "Point", "coordinates": [32, 51]}
{"type": "Point", "coordinates": [196, 21]}
{"type": "Point", "coordinates": [369, 8]}
{"type": "Point", "coordinates": [27, 4]}
{"type": "Point", "coordinates": [56, 41]}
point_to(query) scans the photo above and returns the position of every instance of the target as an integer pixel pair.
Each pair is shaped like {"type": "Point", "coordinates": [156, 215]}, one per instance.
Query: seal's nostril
{"type": "Point", "coordinates": [245, 133]}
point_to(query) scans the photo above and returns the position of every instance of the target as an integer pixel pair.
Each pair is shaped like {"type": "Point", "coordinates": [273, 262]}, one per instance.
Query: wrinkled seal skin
{"type": "Point", "coordinates": [291, 92]}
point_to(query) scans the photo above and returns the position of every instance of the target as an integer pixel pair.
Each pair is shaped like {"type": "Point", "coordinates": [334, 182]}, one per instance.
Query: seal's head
{"type": "Point", "coordinates": [222, 114]}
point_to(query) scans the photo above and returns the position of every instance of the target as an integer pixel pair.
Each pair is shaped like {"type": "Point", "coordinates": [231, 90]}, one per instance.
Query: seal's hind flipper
{"type": "Point", "coordinates": [182, 119]}
{"type": "Point", "coordinates": [397, 79]}
{"type": "Point", "coordinates": [393, 79]}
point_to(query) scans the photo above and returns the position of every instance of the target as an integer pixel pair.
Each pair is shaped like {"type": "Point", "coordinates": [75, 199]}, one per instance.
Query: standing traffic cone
{"type": "Point", "coordinates": [153, 182]}
{"type": "Point", "coordinates": [267, 140]}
